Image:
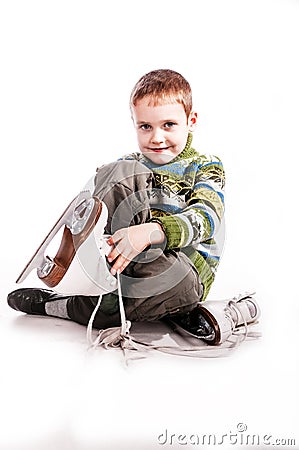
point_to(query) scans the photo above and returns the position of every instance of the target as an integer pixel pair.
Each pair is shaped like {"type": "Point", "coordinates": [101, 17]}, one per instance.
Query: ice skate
{"type": "Point", "coordinates": [216, 321]}
{"type": "Point", "coordinates": [79, 266]}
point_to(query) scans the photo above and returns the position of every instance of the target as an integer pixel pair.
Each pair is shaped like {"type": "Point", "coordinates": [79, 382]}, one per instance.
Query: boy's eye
{"type": "Point", "coordinates": [169, 124]}
{"type": "Point", "coordinates": [145, 126]}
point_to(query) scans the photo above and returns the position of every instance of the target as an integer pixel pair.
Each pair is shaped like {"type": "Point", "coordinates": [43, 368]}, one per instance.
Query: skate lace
{"type": "Point", "coordinates": [120, 337]}
{"type": "Point", "coordinates": [241, 331]}
{"type": "Point", "coordinates": [114, 336]}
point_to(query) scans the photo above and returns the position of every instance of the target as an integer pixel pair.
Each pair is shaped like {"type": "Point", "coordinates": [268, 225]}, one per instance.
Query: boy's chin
{"type": "Point", "coordinates": [159, 158]}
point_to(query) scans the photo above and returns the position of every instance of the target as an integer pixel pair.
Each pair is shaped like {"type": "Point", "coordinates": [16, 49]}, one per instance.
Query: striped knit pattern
{"type": "Point", "coordinates": [188, 201]}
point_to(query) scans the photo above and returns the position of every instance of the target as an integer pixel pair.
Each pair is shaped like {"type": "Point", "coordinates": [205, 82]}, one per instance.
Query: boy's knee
{"type": "Point", "coordinates": [122, 170]}
{"type": "Point", "coordinates": [130, 174]}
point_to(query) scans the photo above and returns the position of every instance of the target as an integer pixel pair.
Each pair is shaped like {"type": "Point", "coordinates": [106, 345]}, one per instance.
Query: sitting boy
{"type": "Point", "coordinates": [165, 221]}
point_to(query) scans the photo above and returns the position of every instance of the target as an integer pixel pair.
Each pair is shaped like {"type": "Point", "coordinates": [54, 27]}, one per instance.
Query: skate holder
{"type": "Point", "coordinates": [78, 220]}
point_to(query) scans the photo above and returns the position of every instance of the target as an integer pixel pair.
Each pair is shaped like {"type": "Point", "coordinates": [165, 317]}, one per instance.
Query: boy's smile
{"type": "Point", "coordinates": [162, 129]}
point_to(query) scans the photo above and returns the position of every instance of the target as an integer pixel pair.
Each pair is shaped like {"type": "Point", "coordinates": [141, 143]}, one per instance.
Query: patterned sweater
{"type": "Point", "coordinates": [188, 201]}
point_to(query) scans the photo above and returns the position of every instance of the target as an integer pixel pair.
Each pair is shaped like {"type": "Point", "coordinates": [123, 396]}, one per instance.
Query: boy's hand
{"type": "Point", "coordinates": [129, 242]}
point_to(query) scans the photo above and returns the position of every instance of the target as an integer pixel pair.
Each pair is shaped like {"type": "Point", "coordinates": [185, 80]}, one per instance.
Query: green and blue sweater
{"type": "Point", "coordinates": [188, 201]}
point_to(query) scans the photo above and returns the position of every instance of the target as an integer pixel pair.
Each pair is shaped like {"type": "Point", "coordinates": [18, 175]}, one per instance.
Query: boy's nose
{"type": "Point", "coordinates": [157, 137]}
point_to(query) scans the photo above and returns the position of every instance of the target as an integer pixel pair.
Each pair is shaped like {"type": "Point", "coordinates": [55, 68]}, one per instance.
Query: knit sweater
{"type": "Point", "coordinates": [187, 199]}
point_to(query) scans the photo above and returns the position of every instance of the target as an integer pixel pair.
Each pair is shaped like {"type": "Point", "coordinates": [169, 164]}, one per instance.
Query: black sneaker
{"type": "Point", "coordinates": [31, 300]}
{"type": "Point", "coordinates": [195, 324]}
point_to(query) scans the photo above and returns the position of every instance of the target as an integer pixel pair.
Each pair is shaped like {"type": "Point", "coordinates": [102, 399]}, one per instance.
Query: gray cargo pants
{"type": "Point", "coordinates": [158, 282]}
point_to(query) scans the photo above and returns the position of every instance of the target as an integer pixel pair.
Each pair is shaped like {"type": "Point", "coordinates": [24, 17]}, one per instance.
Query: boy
{"type": "Point", "coordinates": [165, 221]}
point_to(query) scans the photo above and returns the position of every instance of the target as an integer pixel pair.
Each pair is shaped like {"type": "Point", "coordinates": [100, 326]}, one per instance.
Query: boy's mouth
{"type": "Point", "coordinates": [158, 150]}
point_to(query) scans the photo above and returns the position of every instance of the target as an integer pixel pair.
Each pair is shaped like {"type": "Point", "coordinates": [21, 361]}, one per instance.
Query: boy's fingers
{"type": "Point", "coordinates": [120, 264]}
{"type": "Point", "coordinates": [114, 238]}
{"type": "Point", "coordinates": [115, 252]}
{"type": "Point", "coordinates": [112, 255]}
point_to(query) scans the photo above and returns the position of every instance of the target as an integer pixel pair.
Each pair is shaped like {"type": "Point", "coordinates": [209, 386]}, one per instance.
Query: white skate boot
{"type": "Point", "coordinates": [216, 321]}
{"type": "Point", "coordinates": [79, 267]}
{"type": "Point", "coordinates": [229, 317]}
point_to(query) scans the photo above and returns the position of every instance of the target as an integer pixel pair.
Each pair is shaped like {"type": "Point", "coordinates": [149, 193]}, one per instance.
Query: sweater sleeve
{"type": "Point", "coordinates": [202, 217]}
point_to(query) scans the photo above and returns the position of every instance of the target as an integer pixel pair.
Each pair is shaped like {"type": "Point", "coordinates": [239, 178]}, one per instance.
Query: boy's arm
{"type": "Point", "coordinates": [200, 220]}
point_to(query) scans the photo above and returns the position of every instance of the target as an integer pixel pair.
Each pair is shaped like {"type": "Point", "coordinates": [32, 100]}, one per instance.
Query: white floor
{"type": "Point", "coordinates": [67, 69]}
{"type": "Point", "coordinates": [56, 394]}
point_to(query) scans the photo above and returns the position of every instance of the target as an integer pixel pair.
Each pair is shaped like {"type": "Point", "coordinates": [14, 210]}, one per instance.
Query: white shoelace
{"type": "Point", "coordinates": [114, 336]}
{"type": "Point", "coordinates": [119, 337]}
{"type": "Point", "coordinates": [242, 330]}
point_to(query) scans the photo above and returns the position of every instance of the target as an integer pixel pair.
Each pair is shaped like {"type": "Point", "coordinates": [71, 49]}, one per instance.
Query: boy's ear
{"type": "Point", "coordinates": [192, 121]}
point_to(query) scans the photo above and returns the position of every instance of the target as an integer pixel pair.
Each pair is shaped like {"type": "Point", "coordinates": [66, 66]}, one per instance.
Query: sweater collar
{"type": "Point", "coordinates": [188, 150]}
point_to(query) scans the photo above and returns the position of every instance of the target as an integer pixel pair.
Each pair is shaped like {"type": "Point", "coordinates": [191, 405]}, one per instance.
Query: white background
{"type": "Point", "coordinates": [67, 69]}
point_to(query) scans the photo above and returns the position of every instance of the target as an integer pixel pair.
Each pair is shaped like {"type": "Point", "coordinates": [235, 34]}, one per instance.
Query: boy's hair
{"type": "Point", "coordinates": [162, 86]}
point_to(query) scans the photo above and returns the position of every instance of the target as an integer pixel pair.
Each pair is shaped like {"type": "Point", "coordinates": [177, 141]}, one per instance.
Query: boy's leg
{"type": "Point", "coordinates": [124, 187]}
{"type": "Point", "coordinates": [46, 302]}
{"type": "Point", "coordinates": [168, 285]}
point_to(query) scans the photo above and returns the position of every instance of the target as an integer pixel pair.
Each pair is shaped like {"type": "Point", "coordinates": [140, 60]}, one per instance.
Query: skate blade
{"type": "Point", "coordinates": [73, 218]}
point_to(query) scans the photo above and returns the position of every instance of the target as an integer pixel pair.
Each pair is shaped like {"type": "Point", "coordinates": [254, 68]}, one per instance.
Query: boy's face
{"type": "Point", "coordinates": [162, 130]}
